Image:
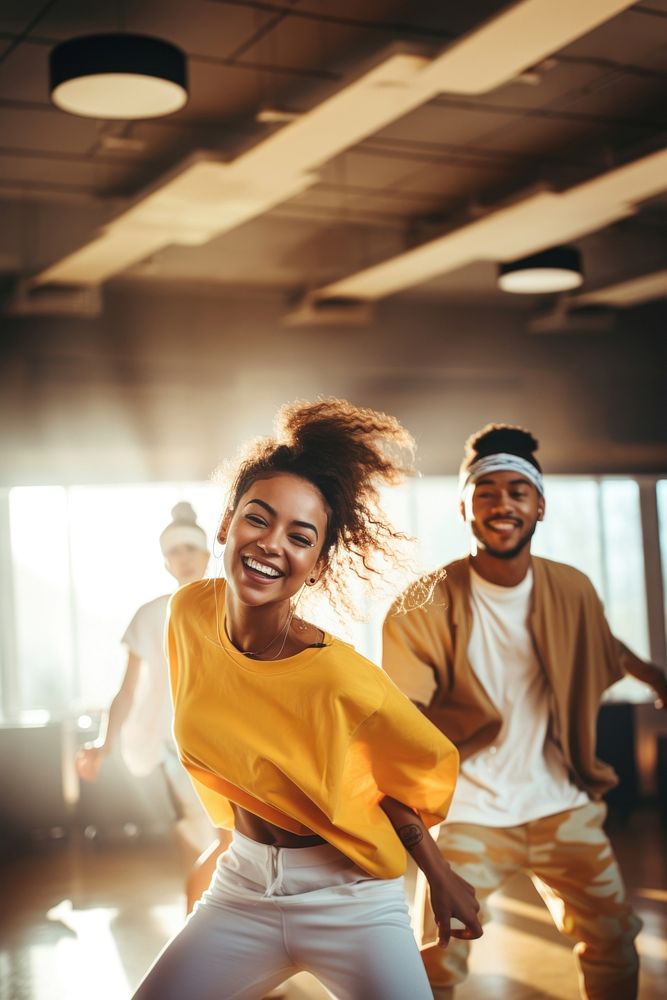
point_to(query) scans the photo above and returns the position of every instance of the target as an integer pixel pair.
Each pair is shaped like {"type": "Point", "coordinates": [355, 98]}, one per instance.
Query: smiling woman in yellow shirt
{"type": "Point", "coordinates": [313, 743]}
{"type": "Point", "coordinates": [323, 769]}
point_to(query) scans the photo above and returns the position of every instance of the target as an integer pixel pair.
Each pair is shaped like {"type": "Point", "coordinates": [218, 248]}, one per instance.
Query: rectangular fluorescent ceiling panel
{"type": "Point", "coordinates": [514, 40]}
{"type": "Point", "coordinates": [208, 197]}
{"type": "Point", "coordinates": [540, 220]}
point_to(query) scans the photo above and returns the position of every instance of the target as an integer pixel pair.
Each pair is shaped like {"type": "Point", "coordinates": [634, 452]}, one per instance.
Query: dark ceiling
{"type": "Point", "coordinates": [595, 104]}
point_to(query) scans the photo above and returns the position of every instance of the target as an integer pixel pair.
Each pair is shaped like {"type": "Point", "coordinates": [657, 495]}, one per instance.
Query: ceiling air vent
{"type": "Point", "coordinates": [54, 300]}
{"type": "Point", "coordinates": [564, 318]}
{"type": "Point", "coordinates": [334, 310]}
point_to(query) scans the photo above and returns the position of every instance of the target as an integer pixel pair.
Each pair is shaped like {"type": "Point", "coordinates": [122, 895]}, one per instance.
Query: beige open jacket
{"type": "Point", "coordinates": [575, 648]}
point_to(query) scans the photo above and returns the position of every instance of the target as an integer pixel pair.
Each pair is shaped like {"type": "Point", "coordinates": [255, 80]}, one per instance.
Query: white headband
{"type": "Point", "coordinates": [502, 462]}
{"type": "Point", "coordinates": [182, 534]}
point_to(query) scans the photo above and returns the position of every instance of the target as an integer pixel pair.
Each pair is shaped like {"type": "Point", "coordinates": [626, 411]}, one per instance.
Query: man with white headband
{"type": "Point", "coordinates": [141, 712]}
{"type": "Point", "coordinates": [510, 660]}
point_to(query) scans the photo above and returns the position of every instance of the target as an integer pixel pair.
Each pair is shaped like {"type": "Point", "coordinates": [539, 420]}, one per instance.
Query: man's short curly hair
{"type": "Point", "coordinates": [495, 439]}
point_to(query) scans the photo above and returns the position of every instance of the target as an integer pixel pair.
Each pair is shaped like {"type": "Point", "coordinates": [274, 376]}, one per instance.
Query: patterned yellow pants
{"type": "Point", "coordinates": [572, 865]}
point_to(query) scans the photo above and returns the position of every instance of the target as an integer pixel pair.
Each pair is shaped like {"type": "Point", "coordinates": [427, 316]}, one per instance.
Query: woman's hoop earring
{"type": "Point", "coordinates": [216, 555]}
{"type": "Point", "coordinates": [311, 582]}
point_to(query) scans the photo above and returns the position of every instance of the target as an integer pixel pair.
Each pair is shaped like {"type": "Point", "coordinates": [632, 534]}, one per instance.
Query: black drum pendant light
{"type": "Point", "coordinates": [554, 270]}
{"type": "Point", "coordinates": [118, 76]}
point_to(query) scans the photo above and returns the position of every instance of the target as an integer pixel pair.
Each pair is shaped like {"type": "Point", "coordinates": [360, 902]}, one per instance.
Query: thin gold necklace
{"type": "Point", "coordinates": [259, 652]}
{"type": "Point", "coordinates": [285, 628]}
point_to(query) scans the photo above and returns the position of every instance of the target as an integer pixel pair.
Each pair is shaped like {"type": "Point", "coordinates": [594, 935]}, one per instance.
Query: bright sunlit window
{"type": "Point", "coordinates": [596, 526]}
{"type": "Point", "coordinates": [85, 558]}
{"type": "Point", "coordinates": [662, 521]}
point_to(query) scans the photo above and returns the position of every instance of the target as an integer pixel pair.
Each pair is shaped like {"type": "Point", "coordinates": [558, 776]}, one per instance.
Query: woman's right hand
{"type": "Point", "coordinates": [88, 761]}
{"type": "Point", "coordinates": [452, 898]}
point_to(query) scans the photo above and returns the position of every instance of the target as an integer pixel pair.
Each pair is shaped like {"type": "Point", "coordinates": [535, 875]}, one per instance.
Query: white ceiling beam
{"type": "Point", "coordinates": [201, 201]}
{"type": "Point", "coordinates": [540, 220]}
{"type": "Point", "coordinates": [208, 196]}
{"type": "Point", "coordinates": [624, 294]}
{"type": "Point", "coordinates": [515, 40]}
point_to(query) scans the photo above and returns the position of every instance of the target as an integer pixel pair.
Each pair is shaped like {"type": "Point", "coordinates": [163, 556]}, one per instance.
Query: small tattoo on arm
{"type": "Point", "coordinates": [410, 836]}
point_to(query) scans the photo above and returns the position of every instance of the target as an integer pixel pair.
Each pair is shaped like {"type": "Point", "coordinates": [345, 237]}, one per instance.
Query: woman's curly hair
{"type": "Point", "coordinates": [347, 453]}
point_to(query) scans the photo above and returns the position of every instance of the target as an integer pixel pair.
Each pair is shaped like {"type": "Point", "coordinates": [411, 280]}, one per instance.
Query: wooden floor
{"type": "Point", "coordinates": [84, 919]}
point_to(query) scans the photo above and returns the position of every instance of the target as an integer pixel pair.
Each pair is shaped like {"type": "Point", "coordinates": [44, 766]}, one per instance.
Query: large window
{"type": "Point", "coordinates": [84, 558]}
{"type": "Point", "coordinates": [596, 526]}
{"type": "Point", "coordinates": [662, 521]}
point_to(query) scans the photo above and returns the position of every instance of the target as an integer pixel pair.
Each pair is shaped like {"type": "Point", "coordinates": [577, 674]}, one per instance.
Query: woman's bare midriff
{"type": "Point", "coordinates": [264, 832]}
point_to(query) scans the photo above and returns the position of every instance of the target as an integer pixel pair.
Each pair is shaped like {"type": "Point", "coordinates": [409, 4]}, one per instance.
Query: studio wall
{"type": "Point", "coordinates": [167, 381]}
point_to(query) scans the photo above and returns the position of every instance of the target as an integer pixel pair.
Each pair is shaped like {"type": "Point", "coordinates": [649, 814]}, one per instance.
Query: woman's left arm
{"type": "Point", "coordinates": [451, 896]}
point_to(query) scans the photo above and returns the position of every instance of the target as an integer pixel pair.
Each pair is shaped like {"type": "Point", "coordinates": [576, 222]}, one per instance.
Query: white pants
{"type": "Point", "coordinates": [274, 911]}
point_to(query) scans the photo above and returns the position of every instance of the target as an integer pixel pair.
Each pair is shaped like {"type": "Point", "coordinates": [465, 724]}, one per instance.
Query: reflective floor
{"type": "Point", "coordinates": [84, 919]}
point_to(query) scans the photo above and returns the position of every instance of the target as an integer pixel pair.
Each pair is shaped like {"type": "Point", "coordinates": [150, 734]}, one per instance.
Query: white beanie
{"type": "Point", "coordinates": [183, 530]}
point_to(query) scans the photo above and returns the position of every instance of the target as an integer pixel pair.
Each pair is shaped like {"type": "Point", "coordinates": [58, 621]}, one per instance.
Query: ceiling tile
{"type": "Point", "coordinates": [627, 37]}
{"type": "Point", "coordinates": [24, 74]}
{"type": "Point", "coordinates": [437, 122]}
{"type": "Point", "coordinates": [48, 130]}
{"type": "Point", "coordinates": [16, 15]}
{"type": "Point", "coordinates": [74, 174]}
{"type": "Point", "coordinates": [206, 27]}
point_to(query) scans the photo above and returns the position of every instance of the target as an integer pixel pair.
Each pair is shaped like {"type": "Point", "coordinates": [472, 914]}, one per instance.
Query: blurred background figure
{"type": "Point", "coordinates": [140, 713]}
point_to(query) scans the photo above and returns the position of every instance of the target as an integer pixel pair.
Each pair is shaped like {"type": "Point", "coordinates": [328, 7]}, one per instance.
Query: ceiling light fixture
{"type": "Point", "coordinates": [510, 231]}
{"type": "Point", "coordinates": [555, 270]}
{"type": "Point", "coordinates": [118, 76]}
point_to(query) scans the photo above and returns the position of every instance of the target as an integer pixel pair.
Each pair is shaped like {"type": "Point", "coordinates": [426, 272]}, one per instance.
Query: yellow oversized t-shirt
{"type": "Point", "coordinates": [311, 742]}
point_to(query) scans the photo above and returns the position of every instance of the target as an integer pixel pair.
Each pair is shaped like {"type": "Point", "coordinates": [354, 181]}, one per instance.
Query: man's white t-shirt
{"type": "Point", "coordinates": [521, 776]}
{"type": "Point", "coordinates": [147, 730]}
